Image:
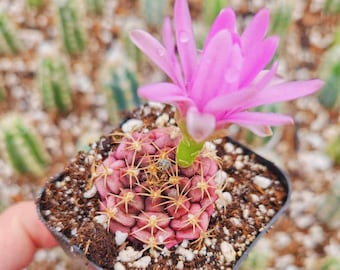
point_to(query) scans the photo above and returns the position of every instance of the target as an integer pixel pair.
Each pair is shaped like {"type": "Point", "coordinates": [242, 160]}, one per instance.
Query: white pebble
{"type": "Point", "coordinates": [228, 252]}
{"type": "Point", "coordinates": [132, 125]}
{"type": "Point", "coordinates": [142, 262]}
{"type": "Point", "coordinates": [102, 220]}
{"type": "Point", "coordinates": [220, 178]}
{"type": "Point", "coordinates": [229, 148]}
{"type": "Point", "coordinates": [119, 266]}
{"type": "Point", "coordinates": [180, 265]}
{"type": "Point", "coordinates": [262, 182]}
{"type": "Point", "coordinates": [186, 253]}
{"type": "Point", "coordinates": [162, 120]}
{"type": "Point", "coordinates": [91, 192]}
{"type": "Point", "coordinates": [129, 254]}
{"type": "Point", "coordinates": [120, 237]}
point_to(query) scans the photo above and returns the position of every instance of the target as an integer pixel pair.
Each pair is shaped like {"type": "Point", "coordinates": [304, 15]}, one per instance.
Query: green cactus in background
{"type": "Point", "coordinates": [280, 19]}
{"type": "Point", "coordinates": [71, 26]}
{"type": "Point", "coordinates": [95, 6]}
{"type": "Point", "coordinates": [329, 96]}
{"type": "Point", "coordinates": [54, 85]}
{"type": "Point", "coordinates": [211, 9]}
{"type": "Point", "coordinates": [328, 211]}
{"type": "Point", "coordinates": [9, 41]}
{"type": "Point", "coordinates": [330, 263]}
{"type": "Point", "coordinates": [332, 6]}
{"type": "Point", "coordinates": [120, 84]}
{"type": "Point", "coordinates": [153, 12]}
{"type": "Point", "coordinates": [22, 147]}
{"type": "Point", "coordinates": [255, 261]}
{"type": "Point", "coordinates": [35, 3]}
{"type": "Point", "coordinates": [333, 150]}
{"type": "Point", "coordinates": [329, 71]}
{"type": "Point", "coordinates": [2, 94]}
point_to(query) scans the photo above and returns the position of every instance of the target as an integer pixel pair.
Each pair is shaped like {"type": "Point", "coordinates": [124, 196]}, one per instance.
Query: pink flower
{"type": "Point", "coordinates": [218, 85]}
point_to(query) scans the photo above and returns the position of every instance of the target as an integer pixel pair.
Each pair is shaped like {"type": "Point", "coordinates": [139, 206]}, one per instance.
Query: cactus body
{"type": "Point", "coordinates": [329, 95]}
{"type": "Point", "coordinates": [333, 150]}
{"type": "Point", "coordinates": [22, 147]}
{"type": "Point", "coordinates": [211, 9]}
{"type": "Point", "coordinates": [146, 194]}
{"type": "Point", "coordinates": [328, 210]}
{"type": "Point", "coordinates": [120, 84]}
{"type": "Point", "coordinates": [330, 263]}
{"type": "Point", "coordinates": [71, 26]}
{"type": "Point", "coordinates": [2, 94]}
{"type": "Point", "coordinates": [255, 261]}
{"type": "Point", "coordinates": [95, 6]}
{"type": "Point", "coordinates": [153, 12]}
{"type": "Point", "coordinates": [332, 6]}
{"type": "Point", "coordinates": [9, 42]}
{"type": "Point", "coordinates": [54, 85]}
{"type": "Point", "coordinates": [35, 3]}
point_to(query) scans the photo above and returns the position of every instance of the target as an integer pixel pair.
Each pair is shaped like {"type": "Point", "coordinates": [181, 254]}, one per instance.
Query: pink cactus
{"type": "Point", "coordinates": [144, 192]}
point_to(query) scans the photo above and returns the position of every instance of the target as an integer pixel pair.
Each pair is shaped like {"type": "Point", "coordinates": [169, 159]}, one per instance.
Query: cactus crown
{"type": "Point", "coordinates": [146, 194]}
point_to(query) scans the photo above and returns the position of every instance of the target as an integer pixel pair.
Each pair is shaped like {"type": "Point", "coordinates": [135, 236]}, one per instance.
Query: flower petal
{"type": "Point", "coordinates": [211, 70]}
{"type": "Point", "coordinates": [186, 43]}
{"type": "Point", "coordinates": [283, 92]}
{"type": "Point", "coordinates": [170, 46]}
{"type": "Point", "coordinates": [155, 51]}
{"type": "Point", "coordinates": [226, 20]}
{"type": "Point", "coordinates": [255, 61]}
{"type": "Point", "coordinates": [200, 125]}
{"type": "Point", "coordinates": [231, 101]}
{"type": "Point", "coordinates": [256, 30]}
{"type": "Point", "coordinates": [258, 118]}
{"type": "Point", "coordinates": [167, 93]}
{"type": "Point", "coordinates": [261, 131]}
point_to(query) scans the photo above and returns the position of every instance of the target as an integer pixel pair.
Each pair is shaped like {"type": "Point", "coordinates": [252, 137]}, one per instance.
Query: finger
{"type": "Point", "coordinates": [21, 234]}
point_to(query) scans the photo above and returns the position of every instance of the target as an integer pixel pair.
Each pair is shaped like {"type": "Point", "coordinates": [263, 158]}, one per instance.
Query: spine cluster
{"type": "Point", "coordinates": [146, 194]}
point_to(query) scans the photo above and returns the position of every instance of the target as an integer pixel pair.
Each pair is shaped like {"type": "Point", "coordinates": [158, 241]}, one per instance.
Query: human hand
{"type": "Point", "coordinates": [21, 235]}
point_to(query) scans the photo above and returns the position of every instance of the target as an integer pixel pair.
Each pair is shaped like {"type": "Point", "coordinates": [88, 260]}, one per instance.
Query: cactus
{"type": "Point", "coordinates": [281, 19]}
{"type": "Point", "coordinates": [153, 12]}
{"type": "Point", "coordinates": [9, 41]}
{"type": "Point", "coordinates": [95, 6]}
{"type": "Point", "coordinates": [329, 95]}
{"type": "Point", "coordinates": [71, 26]}
{"type": "Point", "coordinates": [35, 3]}
{"type": "Point", "coordinates": [54, 85]}
{"type": "Point", "coordinates": [2, 94]}
{"type": "Point", "coordinates": [330, 263]}
{"type": "Point", "coordinates": [328, 211]}
{"type": "Point", "coordinates": [146, 194]}
{"type": "Point", "coordinates": [333, 150]}
{"type": "Point", "coordinates": [256, 261]}
{"type": "Point", "coordinates": [332, 6]}
{"type": "Point", "coordinates": [22, 147]}
{"type": "Point", "coordinates": [120, 85]}
{"type": "Point", "coordinates": [211, 9]}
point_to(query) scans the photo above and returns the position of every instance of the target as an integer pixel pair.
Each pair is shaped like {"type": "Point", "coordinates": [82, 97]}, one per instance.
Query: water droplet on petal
{"type": "Point", "coordinates": [183, 37]}
{"type": "Point", "coordinates": [161, 51]}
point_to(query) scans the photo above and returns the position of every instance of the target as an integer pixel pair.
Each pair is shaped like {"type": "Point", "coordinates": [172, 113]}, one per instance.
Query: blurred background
{"type": "Point", "coordinates": [68, 71]}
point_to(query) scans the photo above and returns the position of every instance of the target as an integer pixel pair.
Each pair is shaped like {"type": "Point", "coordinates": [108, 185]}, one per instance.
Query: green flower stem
{"type": "Point", "coordinates": [188, 148]}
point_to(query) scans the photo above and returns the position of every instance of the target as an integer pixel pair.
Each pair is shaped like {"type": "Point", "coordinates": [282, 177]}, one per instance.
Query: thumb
{"type": "Point", "coordinates": [21, 234]}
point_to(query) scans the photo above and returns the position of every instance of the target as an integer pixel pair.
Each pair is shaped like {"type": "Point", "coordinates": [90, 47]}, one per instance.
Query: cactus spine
{"type": "Point", "coordinates": [153, 12]}
{"type": "Point", "coordinates": [9, 42]}
{"type": "Point", "coordinates": [54, 85]}
{"type": "Point", "coordinates": [70, 25]}
{"type": "Point", "coordinates": [95, 6]}
{"type": "Point", "coordinates": [22, 147]}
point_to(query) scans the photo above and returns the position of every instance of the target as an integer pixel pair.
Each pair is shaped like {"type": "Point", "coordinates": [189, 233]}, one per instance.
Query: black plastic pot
{"type": "Point", "coordinates": [80, 259]}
